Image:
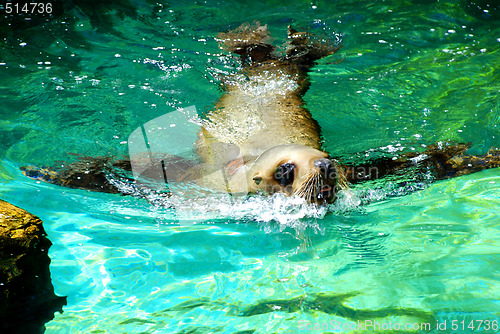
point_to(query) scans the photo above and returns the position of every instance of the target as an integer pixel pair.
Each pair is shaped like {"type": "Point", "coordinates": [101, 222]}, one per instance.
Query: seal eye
{"type": "Point", "coordinates": [257, 180]}
{"type": "Point", "coordinates": [284, 174]}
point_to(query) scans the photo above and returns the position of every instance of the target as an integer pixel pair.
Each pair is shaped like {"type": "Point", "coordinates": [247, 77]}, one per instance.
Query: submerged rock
{"type": "Point", "coordinates": [27, 299]}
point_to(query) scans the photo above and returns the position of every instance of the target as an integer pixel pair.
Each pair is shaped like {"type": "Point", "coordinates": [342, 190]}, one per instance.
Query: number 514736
{"type": "Point", "coordinates": [474, 325]}
{"type": "Point", "coordinates": [28, 8]}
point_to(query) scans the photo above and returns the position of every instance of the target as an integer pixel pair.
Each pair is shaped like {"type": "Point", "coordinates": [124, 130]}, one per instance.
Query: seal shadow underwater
{"type": "Point", "coordinates": [264, 140]}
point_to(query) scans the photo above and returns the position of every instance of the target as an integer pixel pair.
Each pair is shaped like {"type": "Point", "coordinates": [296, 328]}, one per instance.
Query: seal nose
{"type": "Point", "coordinates": [325, 167]}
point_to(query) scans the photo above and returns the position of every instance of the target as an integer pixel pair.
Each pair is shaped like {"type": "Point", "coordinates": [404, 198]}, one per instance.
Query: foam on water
{"type": "Point", "coordinates": [191, 204]}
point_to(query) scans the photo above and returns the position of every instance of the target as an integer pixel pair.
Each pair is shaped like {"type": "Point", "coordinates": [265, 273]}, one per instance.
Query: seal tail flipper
{"type": "Point", "coordinates": [250, 41]}
{"type": "Point", "coordinates": [304, 49]}
{"type": "Point", "coordinates": [253, 43]}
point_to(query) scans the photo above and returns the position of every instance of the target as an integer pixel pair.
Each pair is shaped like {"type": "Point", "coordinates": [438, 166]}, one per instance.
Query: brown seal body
{"type": "Point", "coordinates": [262, 105]}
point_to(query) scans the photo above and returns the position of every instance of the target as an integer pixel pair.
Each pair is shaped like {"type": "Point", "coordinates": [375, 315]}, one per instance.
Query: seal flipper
{"type": "Point", "coordinates": [85, 173]}
{"type": "Point", "coordinates": [459, 163]}
{"type": "Point", "coordinates": [251, 42]}
{"type": "Point", "coordinates": [443, 161]}
{"type": "Point", "coordinates": [99, 173]}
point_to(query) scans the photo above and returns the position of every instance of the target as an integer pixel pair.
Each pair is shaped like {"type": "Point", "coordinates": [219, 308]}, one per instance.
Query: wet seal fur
{"type": "Point", "coordinates": [263, 138]}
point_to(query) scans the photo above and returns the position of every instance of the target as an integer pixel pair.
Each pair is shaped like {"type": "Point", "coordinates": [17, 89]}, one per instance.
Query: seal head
{"type": "Point", "coordinates": [297, 170]}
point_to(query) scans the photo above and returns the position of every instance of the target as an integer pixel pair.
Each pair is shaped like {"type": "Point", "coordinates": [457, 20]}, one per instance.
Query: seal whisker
{"type": "Point", "coordinates": [308, 187]}
{"type": "Point", "coordinates": [302, 188]}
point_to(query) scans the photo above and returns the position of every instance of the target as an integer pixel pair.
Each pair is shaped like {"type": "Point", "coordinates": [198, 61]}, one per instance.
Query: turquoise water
{"type": "Point", "coordinates": [409, 74]}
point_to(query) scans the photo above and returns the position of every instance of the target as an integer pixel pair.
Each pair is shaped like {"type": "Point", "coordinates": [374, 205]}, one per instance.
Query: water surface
{"type": "Point", "coordinates": [409, 74]}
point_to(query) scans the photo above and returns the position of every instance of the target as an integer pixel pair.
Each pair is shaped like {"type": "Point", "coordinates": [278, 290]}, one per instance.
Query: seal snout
{"type": "Point", "coordinates": [325, 167]}
{"type": "Point", "coordinates": [327, 178]}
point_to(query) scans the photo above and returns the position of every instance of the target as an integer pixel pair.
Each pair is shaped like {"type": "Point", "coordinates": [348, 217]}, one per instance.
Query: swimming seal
{"type": "Point", "coordinates": [259, 138]}
{"type": "Point", "coordinates": [262, 114]}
